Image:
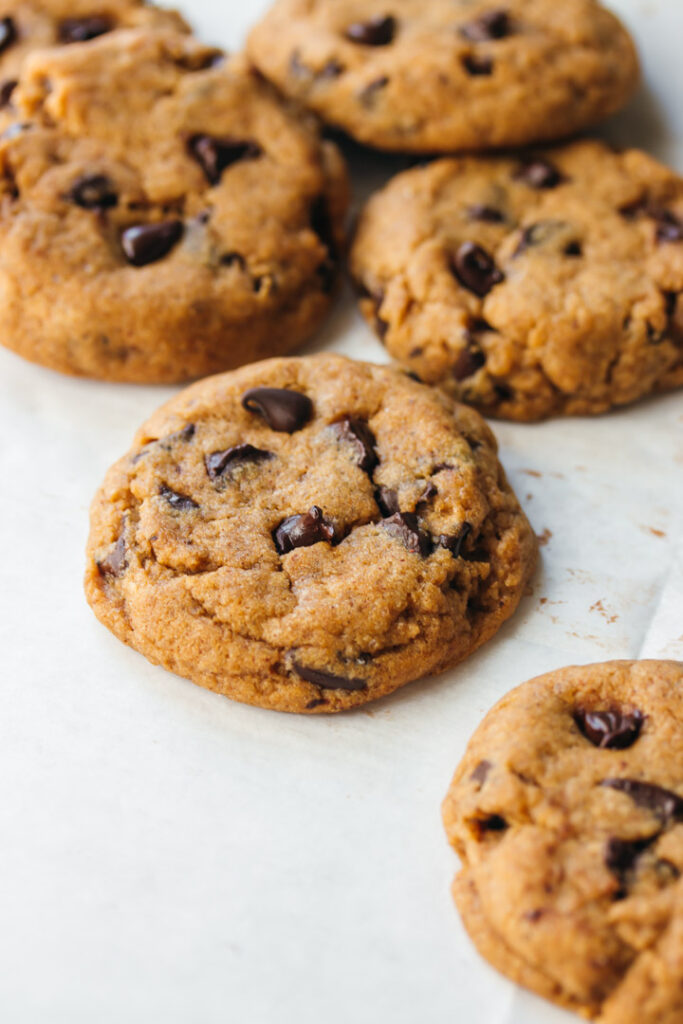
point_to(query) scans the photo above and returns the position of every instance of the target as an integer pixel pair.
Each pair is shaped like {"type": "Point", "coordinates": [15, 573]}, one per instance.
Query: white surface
{"type": "Point", "coordinates": [169, 856]}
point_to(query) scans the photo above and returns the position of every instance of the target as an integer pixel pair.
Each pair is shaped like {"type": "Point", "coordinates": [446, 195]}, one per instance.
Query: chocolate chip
{"type": "Point", "coordinates": [611, 729]}
{"type": "Point", "coordinates": [476, 64]}
{"type": "Point", "coordinates": [358, 434]}
{"type": "Point", "coordinates": [387, 501]}
{"type": "Point", "coordinates": [539, 173]}
{"type": "Point", "coordinates": [8, 33]}
{"type": "Point", "coordinates": [492, 25]}
{"type": "Point", "coordinates": [475, 269]}
{"type": "Point", "coordinates": [303, 530]}
{"type": "Point", "coordinates": [622, 854]}
{"type": "Point", "coordinates": [6, 90]}
{"type": "Point", "coordinates": [218, 462]}
{"type": "Point", "coordinates": [481, 772]}
{"type": "Point", "coordinates": [479, 211]}
{"type": "Point", "coordinates": [369, 93]}
{"type": "Point", "coordinates": [80, 30]}
{"type": "Point", "coordinates": [453, 542]}
{"type": "Point", "coordinates": [377, 31]}
{"type": "Point", "coordinates": [573, 249]}
{"type": "Point", "coordinates": [664, 804]}
{"type": "Point", "coordinates": [147, 243]}
{"type": "Point", "coordinates": [315, 703]}
{"type": "Point", "coordinates": [321, 223]}
{"type": "Point", "coordinates": [468, 361]}
{"type": "Point", "coordinates": [492, 823]}
{"type": "Point", "coordinates": [405, 527]}
{"type": "Point", "coordinates": [93, 192]}
{"type": "Point", "coordinates": [115, 562]}
{"type": "Point", "coordinates": [179, 502]}
{"type": "Point", "coordinates": [430, 492]}
{"type": "Point", "coordinates": [214, 155]}
{"type": "Point", "coordinates": [669, 227]}
{"type": "Point", "coordinates": [327, 680]}
{"type": "Point", "coordinates": [283, 410]}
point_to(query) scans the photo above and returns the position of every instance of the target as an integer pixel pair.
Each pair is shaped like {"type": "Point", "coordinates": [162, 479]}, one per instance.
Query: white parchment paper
{"type": "Point", "coordinates": [169, 856]}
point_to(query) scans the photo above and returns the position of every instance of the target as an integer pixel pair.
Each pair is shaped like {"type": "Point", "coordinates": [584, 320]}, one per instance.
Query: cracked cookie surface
{"type": "Point", "coordinates": [163, 215]}
{"type": "Point", "coordinates": [530, 287]}
{"type": "Point", "coordinates": [442, 75]}
{"type": "Point", "coordinates": [308, 535]}
{"type": "Point", "coordinates": [567, 814]}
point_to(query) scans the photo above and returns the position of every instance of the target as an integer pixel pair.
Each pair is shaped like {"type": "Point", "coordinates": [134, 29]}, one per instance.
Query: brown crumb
{"type": "Point", "coordinates": [544, 537]}
{"type": "Point", "coordinates": [599, 607]}
{"type": "Point", "coordinates": [532, 472]}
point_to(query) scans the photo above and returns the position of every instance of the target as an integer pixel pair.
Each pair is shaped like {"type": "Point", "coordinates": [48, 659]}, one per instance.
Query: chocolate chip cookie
{"type": "Point", "coordinates": [163, 215]}
{"type": "Point", "coordinates": [440, 75]}
{"type": "Point", "coordinates": [567, 814]}
{"type": "Point", "coordinates": [548, 284]}
{"type": "Point", "coordinates": [308, 535]}
{"type": "Point", "coordinates": [29, 25]}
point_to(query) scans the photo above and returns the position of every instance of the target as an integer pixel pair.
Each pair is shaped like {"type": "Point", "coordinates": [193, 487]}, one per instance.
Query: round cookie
{"type": "Point", "coordinates": [308, 535]}
{"type": "Point", "coordinates": [162, 214]}
{"type": "Point", "coordinates": [567, 814]}
{"type": "Point", "coordinates": [433, 76]}
{"type": "Point", "coordinates": [529, 287]}
{"type": "Point", "coordinates": [29, 25]}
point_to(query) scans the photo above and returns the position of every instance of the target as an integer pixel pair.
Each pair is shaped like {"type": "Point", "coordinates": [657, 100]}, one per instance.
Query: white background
{"type": "Point", "coordinates": [169, 856]}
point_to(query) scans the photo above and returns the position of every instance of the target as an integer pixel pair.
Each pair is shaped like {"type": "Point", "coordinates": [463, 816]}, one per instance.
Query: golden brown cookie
{"type": "Point", "coordinates": [163, 214]}
{"type": "Point", "coordinates": [441, 75]}
{"type": "Point", "coordinates": [308, 535]}
{"type": "Point", "coordinates": [567, 814]}
{"type": "Point", "coordinates": [548, 284]}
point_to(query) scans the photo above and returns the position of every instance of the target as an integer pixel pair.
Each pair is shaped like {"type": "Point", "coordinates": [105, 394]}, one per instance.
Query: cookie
{"type": "Point", "coordinates": [530, 287]}
{"type": "Point", "coordinates": [308, 535]}
{"type": "Point", "coordinates": [163, 215]}
{"type": "Point", "coordinates": [441, 75]}
{"type": "Point", "coordinates": [567, 814]}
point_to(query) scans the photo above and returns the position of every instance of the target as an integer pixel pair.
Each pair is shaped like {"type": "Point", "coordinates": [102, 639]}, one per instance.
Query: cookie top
{"type": "Point", "coordinates": [567, 813]}
{"type": "Point", "coordinates": [163, 214]}
{"type": "Point", "coordinates": [533, 286]}
{"type": "Point", "coordinates": [440, 75]}
{"type": "Point", "coordinates": [308, 535]}
{"type": "Point", "coordinates": [29, 25]}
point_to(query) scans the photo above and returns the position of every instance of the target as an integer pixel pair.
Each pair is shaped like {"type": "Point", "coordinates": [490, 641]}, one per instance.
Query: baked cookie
{"type": "Point", "coordinates": [567, 814]}
{"type": "Point", "coordinates": [440, 75]}
{"type": "Point", "coordinates": [530, 287]}
{"type": "Point", "coordinates": [308, 535]}
{"type": "Point", "coordinates": [162, 214]}
{"type": "Point", "coordinates": [29, 25]}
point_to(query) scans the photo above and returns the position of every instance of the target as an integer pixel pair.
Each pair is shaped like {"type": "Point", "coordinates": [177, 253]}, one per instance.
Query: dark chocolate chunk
{"type": "Point", "coordinates": [387, 500]}
{"type": "Point", "coordinates": [539, 173]}
{"type": "Point", "coordinates": [669, 227]}
{"type": "Point", "coordinates": [80, 30]}
{"type": "Point", "coordinates": [468, 361]}
{"type": "Point", "coordinates": [405, 527]}
{"type": "Point", "coordinates": [573, 249]}
{"type": "Point", "coordinates": [327, 680]}
{"type": "Point", "coordinates": [377, 31]}
{"type": "Point", "coordinates": [217, 463]}
{"type": "Point", "coordinates": [6, 90]}
{"type": "Point", "coordinates": [8, 33]}
{"type": "Point", "coordinates": [180, 502]}
{"type": "Point", "coordinates": [453, 542]}
{"type": "Point", "coordinates": [303, 530]}
{"type": "Point", "coordinates": [93, 192]}
{"type": "Point", "coordinates": [115, 562]}
{"type": "Point", "coordinates": [491, 823]}
{"type": "Point", "coordinates": [147, 243]}
{"type": "Point", "coordinates": [492, 25]}
{"type": "Point", "coordinates": [613, 729]}
{"type": "Point", "coordinates": [358, 434]}
{"type": "Point", "coordinates": [283, 410]}
{"type": "Point", "coordinates": [477, 64]}
{"type": "Point", "coordinates": [475, 269]}
{"type": "Point", "coordinates": [214, 155]}
{"type": "Point", "coordinates": [315, 703]}
{"type": "Point", "coordinates": [664, 804]}
{"type": "Point", "coordinates": [481, 772]}
{"type": "Point", "coordinates": [369, 93]}
{"type": "Point", "coordinates": [622, 854]}
{"type": "Point", "coordinates": [479, 211]}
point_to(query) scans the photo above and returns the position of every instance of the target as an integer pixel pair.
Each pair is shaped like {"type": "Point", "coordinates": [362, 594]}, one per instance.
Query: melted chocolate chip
{"type": "Point", "coordinates": [93, 192]}
{"type": "Point", "coordinates": [80, 30]}
{"type": "Point", "coordinates": [664, 804]}
{"type": "Point", "coordinates": [622, 854]}
{"type": "Point", "coordinates": [611, 729]}
{"type": "Point", "coordinates": [539, 173]}
{"type": "Point", "coordinates": [492, 823]}
{"type": "Point", "coordinates": [358, 434]}
{"type": "Point", "coordinates": [147, 243]}
{"type": "Point", "coordinates": [303, 530]}
{"type": "Point", "coordinates": [377, 31]}
{"type": "Point", "coordinates": [453, 542]}
{"type": "Point", "coordinates": [6, 90]}
{"type": "Point", "coordinates": [481, 772]}
{"type": "Point", "coordinates": [405, 527]}
{"type": "Point", "coordinates": [315, 703]}
{"type": "Point", "coordinates": [479, 211]}
{"type": "Point", "coordinates": [8, 33]}
{"type": "Point", "coordinates": [476, 65]}
{"type": "Point", "coordinates": [214, 155]}
{"type": "Point", "coordinates": [327, 680]}
{"type": "Point", "coordinates": [492, 25]}
{"type": "Point", "coordinates": [217, 463]}
{"type": "Point", "coordinates": [369, 93]}
{"type": "Point", "coordinates": [468, 361]}
{"type": "Point", "coordinates": [475, 269]}
{"type": "Point", "coordinates": [115, 562]}
{"type": "Point", "coordinates": [283, 410]}
{"type": "Point", "coordinates": [179, 502]}
{"type": "Point", "coordinates": [387, 501]}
